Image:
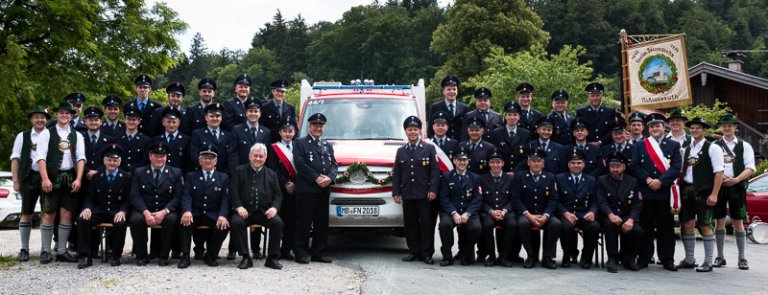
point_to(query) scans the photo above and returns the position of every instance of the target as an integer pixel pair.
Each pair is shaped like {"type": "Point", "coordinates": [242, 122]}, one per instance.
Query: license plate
{"type": "Point", "coordinates": [357, 210]}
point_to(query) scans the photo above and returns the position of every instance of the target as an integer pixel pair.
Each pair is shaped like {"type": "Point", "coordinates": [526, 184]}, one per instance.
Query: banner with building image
{"type": "Point", "coordinates": [658, 74]}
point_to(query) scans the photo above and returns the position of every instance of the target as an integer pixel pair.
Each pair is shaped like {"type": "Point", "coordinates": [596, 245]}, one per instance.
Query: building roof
{"type": "Point", "coordinates": [747, 79]}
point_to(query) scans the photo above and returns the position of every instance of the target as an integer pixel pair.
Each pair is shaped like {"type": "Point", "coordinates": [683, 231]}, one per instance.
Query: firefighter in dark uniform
{"type": "Point", "coordinates": [492, 119]}
{"type": "Point", "coordinates": [511, 140]}
{"type": "Point", "coordinates": [316, 170]}
{"type": "Point", "coordinates": [655, 186]}
{"type": "Point", "coordinates": [580, 130]}
{"type": "Point", "coordinates": [195, 116]}
{"type": "Point", "coordinates": [476, 146]}
{"type": "Point", "coordinates": [577, 210]}
{"type": "Point", "coordinates": [620, 144]}
{"type": "Point", "coordinates": [460, 201]}
{"type": "Point", "coordinates": [176, 92]}
{"type": "Point", "coordinates": [134, 143]}
{"type": "Point", "coordinates": [178, 143]}
{"type": "Point", "coordinates": [280, 160]}
{"type": "Point", "coordinates": [106, 202]}
{"type": "Point", "coordinates": [234, 109]}
{"type": "Point", "coordinates": [440, 138]}
{"type": "Point", "coordinates": [636, 126]}
{"type": "Point", "coordinates": [599, 117]}
{"type": "Point", "coordinates": [496, 210]}
{"type": "Point", "coordinates": [554, 151]}
{"type": "Point", "coordinates": [112, 126]}
{"type": "Point", "coordinates": [143, 103]}
{"type": "Point", "coordinates": [620, 205]}
{"type": "Point", "coordinates": [213, 134]}
{"type": "Point", "coordinates": [528, 116]}
{"type": "Point", "coordinates": [77, 122]}
{"type": "Point", "coordinates": [155, 195]}
{"type": "Point", "coordinates": [415, 184]}
{"type": "Point", "coordinates": [276, 110]}
{"type": "Point", "coordinates": [451, 106]}
{"type": "Point", "coordinates": [561, 120]}
{"type": "Point", "coordinates": [205, 202]}
{"type": "Point", "coordinates": [535, 201]}
{"type": "Point", "coordinates": [95, 141]}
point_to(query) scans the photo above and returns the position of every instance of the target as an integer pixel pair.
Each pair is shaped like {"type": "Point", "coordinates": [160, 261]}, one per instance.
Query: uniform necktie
{"type": "Point", "coordinates": [215, 134]}
{"type": "Point", "coordinates": [207, 176]}
{"type": "Point", "coordinates": [485, 116]}
{"type": "Point", "coordinates": [289, 147]}
{"type": "Point", "coordinates": [93, 140]}
{"type": "Point", "coordinates": [141, 106]}
{"type": "Point", "coordinates": [619, 148]}
{"type": "Point", "coordinates": [110, 178]}
{"type": "Point", "coordinates": [171, 138]}
{"type": "Point", "coordinates": [461, 178]}
{"type": "Point", "coordinates": [544, 146]}
{"type": "Point", "coordinates": [496, 178]}
{"type": "Point", "coordinates": [536, 177]}
{"type": "Point", "coordinates": [157, 175]}
{"type": "Point", "coordinates": [581, 147]}
{"type": "Point", "coordinates": [253, 132]}
{"type": "Point", "coordinates": [450, 109]}
{"type": "Point", "coordinates": [576, 181]}
{"type": "Point", "coordinates": [472, 147]}
{"type": "Point", "coordinates": [512, 134]}
{"type": "Point", "coordinates": [130, 138]}
{"type": "Point", "coordinates": [280, 111]}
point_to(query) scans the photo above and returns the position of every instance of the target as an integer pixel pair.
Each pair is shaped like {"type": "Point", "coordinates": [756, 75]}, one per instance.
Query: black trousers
{"type": "Point", "coordinates": [312, 216]}
{"type": "Point", "coordinates": [288, 214]}
{"type": "Point", "coordinates": [629, 240]}
{"type": "Point", "coordinates": [551, 234]}
{"type": "Point", "coordinates": [85, 232]}
{"type": "Point", "coordinates": [472, 231]}
{"type": "Point", "coordinates": [659, 223]}
{"type": "Point", "coordinates": [419, 231]}
{"type": "Point", "coordinates": [569, 238]}
{"type": "Point", "coordinates": [240, 234]}
{"type": "Point", "coordinates": [212, 237]}
{"type": "Point", "coordinates": [170, 226]}
{"type": "Point", "coordinates": [506, 234]}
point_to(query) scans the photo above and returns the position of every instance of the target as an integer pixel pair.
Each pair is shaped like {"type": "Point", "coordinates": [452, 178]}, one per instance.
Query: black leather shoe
{"type": "Point", "coordinates": [611, 266]}
{"type": "Point", "coordinates": [287, 255]}
{"type": "Point", "coordinates": [670, 266]}
{"type": "Point", "coordinates": [566, 263]}
{"type": "Point", "coordinates": [199, 255]}
{"type": "Point", "coordinates": [163, 262]}
{"type": "Point", "coordinates": [142, 261]}
{"type": "Point", "coordinates": [529, 263]}
{"type": "Point", "coordinates": [115, 262]}
{"type": "Point", "coordinates": [586, 265]}
{"type": "Point", "coordinates": [429, 261]}
{"type": "Point", "coordinates": [409, 258]}
{"type": "Point", "coordinates": [743, 264]}
{"type": "Point", "coordinates": [490, 262]}
{"type": "Point", "coordinates": [685, 264]}
{"type": "Point", "coordinates": [446, 262]}
{"type": "Point", "coordinates": [66, 257]}
{"type": "Point", "coordinates": [184, 261]}
{"type": "Point", "coordinates": [23, 255]}
{"type": "Point", "coordinates": [719, 262]}
{"type": "Point", "coordinates": [84, 262]}
{"type": "Point", "coordinates": [231, 255]}
{"type": "Point", "coordinates": [465, 261]}
{"type": "Point", "coordinates": [548, 263]}
{"type": "Point", "coordinates": [210, 260]}
{"type": "Point", "coordinates": [45, 257]}
{"type": "Point", "coordinates": [321, 259]}
{"type": "Point", "coordinates": [517, 259]}
{"type": "Point", "coordinates": [246, 263]}
{"type": "Point", "coordinates": [505, 262]}
{"type": "Point", "coordinates": [257, 255]}
{"type": "Point", "coordinates": [302, 260]}
{"type": "Point", "coordinates": [705, 267]}
{"type": "Point", "coordinates": [273, 263]}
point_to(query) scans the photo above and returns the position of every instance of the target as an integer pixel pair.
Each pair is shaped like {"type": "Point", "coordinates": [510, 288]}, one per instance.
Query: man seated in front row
{"type": "Point", "coordinates": [256, 196]}
{"type": "Point", "coordinates": [205, 202]}
{"type": "Point", "coordinates": [460, 201]}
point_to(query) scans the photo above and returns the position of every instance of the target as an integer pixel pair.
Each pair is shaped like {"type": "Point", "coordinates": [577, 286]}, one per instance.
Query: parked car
{"type": "Point", "coordinates": [757, 199]}
{"type": "Point", "coordinates": [10, 201]}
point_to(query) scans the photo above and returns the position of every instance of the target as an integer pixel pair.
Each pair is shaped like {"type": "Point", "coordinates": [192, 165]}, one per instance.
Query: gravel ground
{"type": "Point", "coordinates": [64, 278]}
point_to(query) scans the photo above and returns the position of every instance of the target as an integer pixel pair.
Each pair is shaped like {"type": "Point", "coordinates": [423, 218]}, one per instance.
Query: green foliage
{"type": "Point", "coordinates": [474, 29]}
{"type": "Point", "coordinates": [760, 168]}
{"type": "Point", "coordinates": [51, 48]}
{"type": "Point", "coordinates": [546, 72]}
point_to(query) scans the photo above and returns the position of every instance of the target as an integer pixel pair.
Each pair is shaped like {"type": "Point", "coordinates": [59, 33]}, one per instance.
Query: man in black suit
{"type": "Point", "coordinates": [178, 143]}
{"type": "Point", "coordinates": [280, 160]}
{"type": "Point", "coordinates": [195, 115]}
{"type": "Point", "coordinates": [599, 117]}
{"type": "Point", "coordinates": [476, 147]}
{"type": "Point", "coordinates": [276, 110]}
{"type": "Point", "coordinates": [560, 118]}
{"type": "Point", "coordinates": [234, 109]}
{"type": "Point", "coordinates": [415, 181]}
{"type": "Point", "coordinates": [496, 210]}
{"type": "Point", "coordinates": [316, 171]}
{"type": "Point", "coordinates": [112, 126]}
{"type": "Point", "coordinates": [95, 141]}
{"type": "Point", "coordinates": [483, 109]}
{"type": "Point", "coordinates": [554, 151]}
{"type": "Point", "coordinates": [451, 106]}
{"type": "Point", "coordinates": [619, 144]}
{"type": "Point", "coordinates": [106, 202]}
{"type": "Point", "coordinates": [176, 92]}
{"type": "Point", "coordinates": [528, 116]}
{"type": "Point", "coordinates": [620, 205]}
{"type": "Point", "coordinates": [441, 139]}
{"type": "Point", "coordinates": [460, 202]}
{"type": "Point", "coordinates": [511, 141]}
{"type": "Point", "coordinates": [256, 195]}
{"type": "Point", "coordinates": [155, 196]}
{"type": "Point", "coordinates": [580, 130]}
{"type": "Point", "coordinates": [134, 143]}
{"type": "Point", "coordinates": [250, 132]}
{"type": "Point", "coordinates": [143, 103]}
{"type": "Point", "coordinates": [577, 210]}
{"type": "Point", "coordinates": [213, 134]}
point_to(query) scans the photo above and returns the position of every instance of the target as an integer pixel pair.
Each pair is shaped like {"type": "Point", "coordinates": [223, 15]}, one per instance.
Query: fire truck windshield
{"type": "Point", "coordinates": [361, 119]}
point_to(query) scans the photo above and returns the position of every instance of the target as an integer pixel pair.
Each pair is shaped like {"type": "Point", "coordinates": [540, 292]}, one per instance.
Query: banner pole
{"type": "Point", "coordinates": [624, 75]}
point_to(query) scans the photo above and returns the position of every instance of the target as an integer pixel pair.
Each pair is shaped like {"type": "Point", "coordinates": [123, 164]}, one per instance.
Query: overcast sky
{"type": "Point", "coordinates": [232, 23]}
